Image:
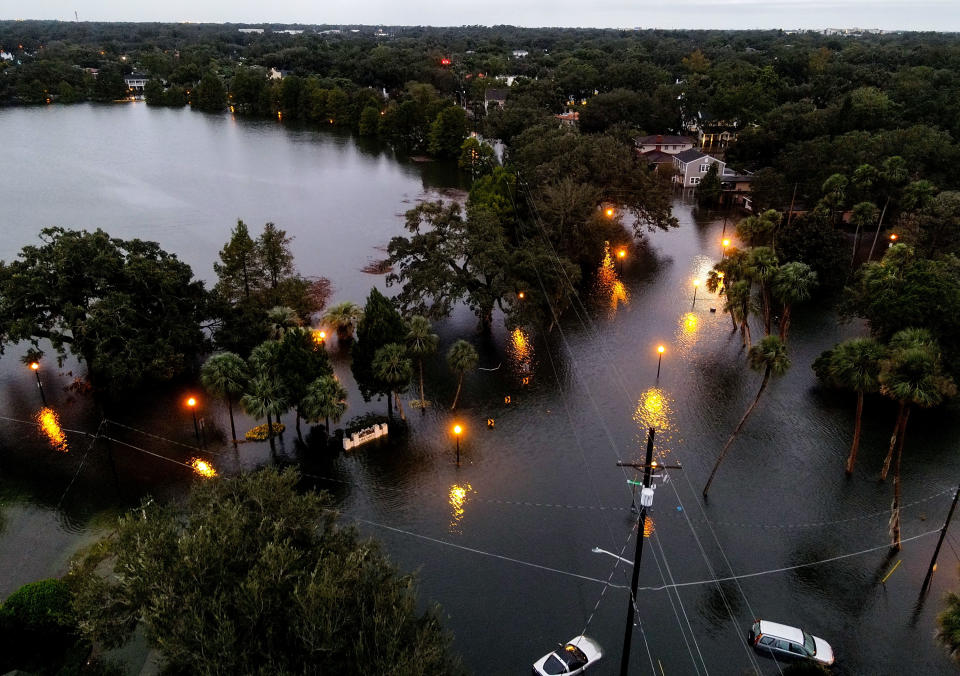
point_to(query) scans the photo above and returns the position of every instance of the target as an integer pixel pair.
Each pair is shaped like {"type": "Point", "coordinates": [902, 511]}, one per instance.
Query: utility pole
{"type": "Point", "coordinates": [936, 552]}
{"type": "Point", "coordinates": [646, 499]}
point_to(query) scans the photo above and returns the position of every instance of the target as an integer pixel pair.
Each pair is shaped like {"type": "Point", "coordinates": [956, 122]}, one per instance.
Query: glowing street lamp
{"type": "Point", "coordinates": [35, 365]}
{"type": "Point", "coordinates": [192, 405]}
{"type": "Point", "coordinates": [521, 295]}
{"type": "Point", "coordinates": [457, 431]}
{"type": "Point", "coordinates": [621, 254]}
{"type": "Point", "coordinates": [660, 350]}
{"type": "Point", "coordinates": [725, 243]}
{"type": "Point", "coordinates": [609, 212]}
{"type": "Point", "coordinates": [696, 285]}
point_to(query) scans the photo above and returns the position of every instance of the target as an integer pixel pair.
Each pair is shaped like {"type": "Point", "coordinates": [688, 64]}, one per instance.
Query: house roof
{"type": "Point", "coordinates": [690, 155]}
{"type": "Point", "coordinates": [656, 157]}
{"type": "Point", "coordinates": [654, 139]}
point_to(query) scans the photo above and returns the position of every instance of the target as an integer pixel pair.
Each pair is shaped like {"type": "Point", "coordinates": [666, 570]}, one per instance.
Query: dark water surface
{"type": "Point", "coordinates": [503, 542]}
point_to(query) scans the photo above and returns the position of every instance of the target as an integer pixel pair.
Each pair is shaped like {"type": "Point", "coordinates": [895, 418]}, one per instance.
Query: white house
{"type": "Point", "coordinates": [250, 30]}
{"type": "Point", "coordinates": [520, 53]}
{"type": "Point", "coordinates": [692, 165]}
{"type": "Point", "coordinates": [664, 143]}
{"type": "Point", "coordinates": [135, 81]}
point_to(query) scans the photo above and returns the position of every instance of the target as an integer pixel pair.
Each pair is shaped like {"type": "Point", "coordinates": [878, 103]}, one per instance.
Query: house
{"type": "Point", "coordinates": [135, 82]}
{"type": "Point", "coordinates": [494, 97]}
{"type": "Point", "coordinates": [692, 165]}
{"type": "Point", "coordinates": [520, 53]}
{"type": "Point", "coordinates": [663, 144]}
{"type": "Point", "coordinates": [657, 158]}
{"type": "Point", "coordinates": [274, 74]}
{"type": "Point", "coordinates": [249, 30]}
{"type": "Point", "coordinates": [736, 188]}
{"type": "Point", "coordinates": [571, 118]}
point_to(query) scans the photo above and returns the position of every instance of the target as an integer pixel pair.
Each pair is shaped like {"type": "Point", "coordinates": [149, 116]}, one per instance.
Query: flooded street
{"type": "Point", "coordinates": [503, 542]}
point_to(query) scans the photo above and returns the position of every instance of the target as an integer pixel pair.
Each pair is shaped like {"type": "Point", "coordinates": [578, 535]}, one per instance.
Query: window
{"type": "Point", "coordinates": [553, 665]}
{"type": "Point", "coordinates": [704, 168]}
{"type": "Point", "coordinates": [783, 645]}
{"type": "Point", "coordinates": [695, 180]}
{"type": "Point", "coordinates": [797, 650]}
{"type": "Point", "coordinates": [766, 640]}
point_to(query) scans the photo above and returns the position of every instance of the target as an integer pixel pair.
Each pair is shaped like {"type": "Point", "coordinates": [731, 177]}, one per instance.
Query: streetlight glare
{"type": "Point", "coordinates": [893, 237]}
{"type": "Point", "coordinates": [609, 212]}
{"type": "Point", "coordinates": [696, 282]}
{"type": "Point", "coordinates": [457, 429]}
{"type": "Point", "coordinates": [660, 349]}
{"type": "Point", "coordinates": [726, 242]}
{"type": "Point", "coordinates": [34, 365]}
{"type": "Point", "coordinates": [621, 253]}
{"type": "Point", "coordinates": [191, 402]}
{"type": "Point", "coordinates": [521, 295]}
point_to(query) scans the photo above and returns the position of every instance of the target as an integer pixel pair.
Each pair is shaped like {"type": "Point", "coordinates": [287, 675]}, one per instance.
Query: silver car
{"type": "Point", "coordinates": [575, 657]}
{"type": "Point", "coordinates": [785, 642]}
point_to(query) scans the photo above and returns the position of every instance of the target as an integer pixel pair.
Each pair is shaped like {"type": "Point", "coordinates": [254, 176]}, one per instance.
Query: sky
{"type": "Point", "coordinates": [940, 15]}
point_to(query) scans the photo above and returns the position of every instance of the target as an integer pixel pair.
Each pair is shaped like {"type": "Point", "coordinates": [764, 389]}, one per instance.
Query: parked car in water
{"type": "Point", "coordinates": [785, 642]}
{"type": "Point", "coordinates": [578, 655]}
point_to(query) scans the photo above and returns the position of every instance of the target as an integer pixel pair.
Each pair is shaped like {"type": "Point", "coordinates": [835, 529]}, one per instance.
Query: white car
{"type": "Point", "coordinates": [575, 657]}
{"type": "Point", "coordinates": [784, 641]}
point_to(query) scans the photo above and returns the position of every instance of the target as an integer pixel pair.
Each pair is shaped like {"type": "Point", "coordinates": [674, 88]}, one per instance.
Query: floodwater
{"type": "Point", "coordinates": [503, 542]}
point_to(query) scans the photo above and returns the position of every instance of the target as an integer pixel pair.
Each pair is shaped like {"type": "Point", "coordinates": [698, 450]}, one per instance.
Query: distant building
{"type": "Point", "coordinates": [289, 31]}
{"type": "Point", "coordinates": [6, 56]}
{"type": "Point", "coordinates": [520, 53]}
{"type": "Point", "coordinates": [663, 143]}
{"type": "Point", "coordinates": [250, 30]}
{"type": "Point", "coordinates": [135, 82]}
{"type": "Point", "coordinates": [274, 74]}
{"type": "Point", "coordinates": [494, 97]}
{"type": "Point", "coordinates": [571, 118]}
{"type": "Point", "coordinates": [692, 165]}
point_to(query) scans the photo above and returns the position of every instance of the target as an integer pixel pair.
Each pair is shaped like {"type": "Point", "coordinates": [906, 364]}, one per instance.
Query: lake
{"type": "Point", "coordinates": [504, 541]}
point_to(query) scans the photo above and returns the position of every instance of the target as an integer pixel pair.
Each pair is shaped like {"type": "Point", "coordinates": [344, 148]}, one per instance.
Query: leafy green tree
{"type": "Point", "coordinates": [855, 365]}
{"type": "Point", "coordinates": [761, 268]}
{"type": "Point", "coordinates": [239, 270]}
{"type": "Point", "coordinates": [326, 398]}
{"type": "Point", "coordinates": [300, 362]}
{"type": "Point", "coordinates": [709, 188]}
{"type": "Point", "coordinates": [39, 627]}
{"type": "Point", "coordinates": [153, 92]}
{"type": "Point", "coordinates": [211, 95]}
{"type": "Point", "coordinates": [393, 367]}
{"type": "Point", "coordinates": [275, 257]}
{"type": "Point", "coordinates": [769, 356]}
{"type": "Point", "coordinates": [448, 131]}
{"type": "Point", "coordinates": [129, 310]}
{"type": "Point", "coordinates": [280, 321]}
{"type": "Point", "coordinates": [862, 215]}
{"type": "Point", "coordinates": [477, 157]}
{"type": "Point", "coordinates": [343, 317]}
{"type": "Point", "coordinates": [253, 576]}
{"type": "Point", "coordinates": [912, 376]}
{"type": "Point", "coordinates": [759, 229]}
{"type": "Point", "coordinates": [380, 325]}
{"type": "Point", "coordinates": [461, 357]}
{"type": "Point", "coordinates": [948, 625]}
{"type": "Point", "coordinates": [225, 375]}
{"type": "Point", "coordinates": [369, 121]}
{"type": "Point", "coordinates": [421, 342]}
{"type": "Point", "coordinates": [792, 283]}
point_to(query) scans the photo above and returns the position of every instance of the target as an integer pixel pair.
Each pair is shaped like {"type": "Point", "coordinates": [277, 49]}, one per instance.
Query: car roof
{"type": "Point", "coordinates": [781, 631]}
{"type": "Point", "coordinates": [589, 646]}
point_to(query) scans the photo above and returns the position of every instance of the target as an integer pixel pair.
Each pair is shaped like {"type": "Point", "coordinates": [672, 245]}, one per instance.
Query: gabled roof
{"type": "Point", "coordinates": [690, 155]}
{"type": "Point", "coordinates": [655, 139]}
{"type": "Point", "coordinates": [657, 157]}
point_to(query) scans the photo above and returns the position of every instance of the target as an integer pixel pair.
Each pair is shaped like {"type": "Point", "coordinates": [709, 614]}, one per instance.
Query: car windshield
{"type": "Point", "coordinates": [573, 656]}
{"type": "Point", "coordinates": [808, 644]}
{"type": "Point", "coordinates": [553, 665]}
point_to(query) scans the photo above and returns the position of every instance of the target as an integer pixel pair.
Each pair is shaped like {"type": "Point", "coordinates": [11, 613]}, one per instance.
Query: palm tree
{"type": "Point", "coordinates": [264, 399]}
{"type": "Point", "coordinates": [948, 625]}
{"type": "Point", "coordinates": [225, 375]}
{"type": "Point", "coordinates": [855, 365]}
{"type": "Point", "coordinates": [770, 356]}
{"type": "Point", "coordinates": [392, 366]}
{"type": "Point", "coordinates": [265, 361]}
{"type": "Point", "coordinates": [912, 375]}
{"type": "Point", "coordinates": [792, 283]}
{"type": "Point", "coordinates": [461, 357]}
{"type": "Point", "coordinates": [862, 215]}
{"type": "Point", "coordinates": [326, 398]}
{"type": "Point", "coordinates": [281, 319]}
{"type": "Point", "coordinates": [343, 317]}
{"type": "Point", "coordinates": [421, 343]}
{"type": "Point", "coordinates": [738, 305]}
{"type": "Point", "coordinates": [761, 267]}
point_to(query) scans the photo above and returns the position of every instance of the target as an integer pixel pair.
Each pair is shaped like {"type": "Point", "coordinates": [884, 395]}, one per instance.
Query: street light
{"type": "Point", "coordinates": [726, 243]}
{"type": "Point", "coordinates": [609, 212]}
{"type": "Point", "coordinates": [521, 295]}
{"type": "Point", "coordinates": [621, 254]}
{"type": "Point", "coordinates": [597, 550]}
{"type": "Point", "coordinates": [192, 405]}
{"type": "Point", "coordinates": [660, 350]}
{"type": "Point", "coordinates": [696, 285]}
{"type": "Point", "coordinates": [457, 431]}
{"type": "Point", "coordinates": [35, 365]}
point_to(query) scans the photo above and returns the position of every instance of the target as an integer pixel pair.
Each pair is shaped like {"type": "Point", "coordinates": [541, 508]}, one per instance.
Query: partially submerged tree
{"type": "Point", "coordinates": [421, 342]}
{"type": "Point", "coordinates": [769, 356]}
{"type": "Point", "coordinates": [392, 366]}
{"type": "Point", "coordinates": [225, 375]}
{"type": "Point", "coordinates": [253, 576]}
{"type": "Point", "coordinates": [326, 398]}
{"type": "Point", "coordinates": [461, 357]}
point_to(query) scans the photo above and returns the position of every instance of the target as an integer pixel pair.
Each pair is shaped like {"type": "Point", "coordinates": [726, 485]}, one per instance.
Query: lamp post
{"type": "Point", "coordinates": [192, 405]}
{"type": "Point", "coordinates": [725, 243]}
{"type": "Point", "coordinates": [621, 254]}
{"type": "Point", "coordinates": [660, 350]}
{"type": "Point", "coordinates": [457, 431]}
{"type": "Point", "coordinates": [696, 285]}
{"type": "Point", "coordinates": [35, 365]}
{"type": "Point", "coordinates": [609, 212]}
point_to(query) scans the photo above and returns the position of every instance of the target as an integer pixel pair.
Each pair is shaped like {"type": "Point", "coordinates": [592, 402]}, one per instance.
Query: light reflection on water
{"type": "Point", "coordinates": [49, 423]}
{"type": "Point", "coordinates": [608, 288]}
{"type": "Point", "coordinates": [458, 499]}
{"type": "Point", "coordinates": [521, 352]}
